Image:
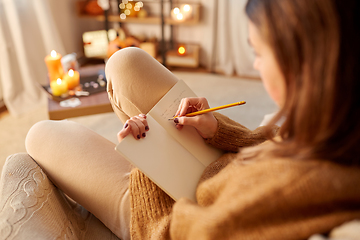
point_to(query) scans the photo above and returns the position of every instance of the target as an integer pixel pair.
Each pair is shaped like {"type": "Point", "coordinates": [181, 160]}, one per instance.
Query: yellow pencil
{"type": "Point", "coordinates": [211, 109]}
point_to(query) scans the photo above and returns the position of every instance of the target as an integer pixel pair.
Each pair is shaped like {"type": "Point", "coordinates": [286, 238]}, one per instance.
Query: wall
{"type": "Point", "coordinates": [71, 28]}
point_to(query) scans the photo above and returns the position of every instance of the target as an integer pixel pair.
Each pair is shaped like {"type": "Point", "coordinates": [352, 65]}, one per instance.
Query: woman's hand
{"type": "Point", "coordinates": [205, 124]}
{"type": "Point", "coordinates": [137, 126]}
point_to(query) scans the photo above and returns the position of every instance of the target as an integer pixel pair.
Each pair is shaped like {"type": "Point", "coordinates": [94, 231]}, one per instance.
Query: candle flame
{"type": "Point", "coordinates": [53, 53]}
{"type": "Point", "coordinates": [71, 73]}
{"type": "Point", "coordinates": [58, 81]}
{"type": "Point", "coordinates": [181, 50]}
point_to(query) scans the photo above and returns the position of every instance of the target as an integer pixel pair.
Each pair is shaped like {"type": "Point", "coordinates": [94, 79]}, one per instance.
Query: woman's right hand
{"type": "Point", "coordinates": [205, 124]}
{"type": "Point", "coordinates": [137, 126]}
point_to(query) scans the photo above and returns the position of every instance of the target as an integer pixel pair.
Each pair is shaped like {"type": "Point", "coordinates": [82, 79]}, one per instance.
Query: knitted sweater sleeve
{"type": "Point", "coordinates": [230, 135]}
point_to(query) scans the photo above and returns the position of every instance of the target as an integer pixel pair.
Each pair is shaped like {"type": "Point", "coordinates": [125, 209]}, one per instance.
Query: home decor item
{"type": "Point", "coordinates": [69, 61]}
{"type": "Point", "coordinates": [117, 44]}
{"type": "Point", "coordinates": [58, 87]}
{"type": "Point", "coordinates": [181, 50]}
{"type": "Point", "coordinates": [130, 8]}
{"type": "Point", "coordinates": [72, 79]}
{"type": "Point", "coordinates": [92, 7]}
{"type": "Point", "coordinates": [96, 42]}
{"type": "Point", "coordinates": [54, 66]}
{"type": "Point", "coordinates": [145, 15]}
{"type": "Point", "coordinates": [182, 13]}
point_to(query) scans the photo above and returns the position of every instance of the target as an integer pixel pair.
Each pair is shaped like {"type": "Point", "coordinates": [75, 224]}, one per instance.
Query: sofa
{"type": "Point", "coordinates": [33, 208]}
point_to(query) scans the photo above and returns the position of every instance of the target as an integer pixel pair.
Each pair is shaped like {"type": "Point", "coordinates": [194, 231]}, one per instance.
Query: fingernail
{"type": "Point", "coordinates": [147, 128]}
{"type": "Point", "coordinates": [176, 120]}
{"type": "Point", "coordinates": [126, 125]}
{"type": "Point", "coordinates": [138, 136]}
{"type": "Point", "coordinates": [144, 134]}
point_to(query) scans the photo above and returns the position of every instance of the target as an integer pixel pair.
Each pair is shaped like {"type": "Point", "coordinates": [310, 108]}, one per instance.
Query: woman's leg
{"type": "Point", "coordinates": [85, 165]}
{"type": "Point", "coordinates": [136, 82]}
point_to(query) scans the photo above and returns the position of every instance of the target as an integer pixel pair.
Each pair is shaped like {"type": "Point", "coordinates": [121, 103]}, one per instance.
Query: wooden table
{"type": "Point", "coordinates": [93, 104]}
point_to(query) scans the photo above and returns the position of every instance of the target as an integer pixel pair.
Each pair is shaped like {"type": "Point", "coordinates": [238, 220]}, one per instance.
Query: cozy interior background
{"type": "Point", "coordinates": [30, 29]}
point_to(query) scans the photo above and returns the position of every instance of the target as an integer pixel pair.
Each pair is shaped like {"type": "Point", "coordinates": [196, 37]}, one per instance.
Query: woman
{"type": "Point", "coordinates": [304, 181]}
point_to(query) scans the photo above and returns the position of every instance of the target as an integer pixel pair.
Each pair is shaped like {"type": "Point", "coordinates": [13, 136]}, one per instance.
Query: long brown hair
{"type": "Point", "coordinates": [317, 46]}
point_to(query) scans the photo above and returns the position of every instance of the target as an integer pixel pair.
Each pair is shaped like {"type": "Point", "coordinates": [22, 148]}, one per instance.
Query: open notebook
{"type": "Point", "coordinates": [174, 160]}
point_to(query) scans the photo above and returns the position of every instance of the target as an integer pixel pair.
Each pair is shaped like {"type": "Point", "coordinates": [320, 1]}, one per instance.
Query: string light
{"type": "Point", "coordinates": [186, 7]}
{"type": "Point", "coordinates": [179, 16]}
{"type": "Point", "coordinates": [176, 10]}
{"type": "Point", "coordinates": [127, 7]}
{"type": "Point", "coordinates": [181, 13]}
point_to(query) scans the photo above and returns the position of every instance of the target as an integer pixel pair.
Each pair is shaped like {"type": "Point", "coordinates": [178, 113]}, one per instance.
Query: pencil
{"type": "Point", "coordinates": [210, 109]}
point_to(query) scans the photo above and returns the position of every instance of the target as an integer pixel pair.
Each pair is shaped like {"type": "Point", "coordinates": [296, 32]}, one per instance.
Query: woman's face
{"type": "Point", "coordinates": [267, 65]}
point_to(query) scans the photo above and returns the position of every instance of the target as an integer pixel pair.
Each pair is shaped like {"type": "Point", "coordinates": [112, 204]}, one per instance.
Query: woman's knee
{"type": "Point", "coordinates": [136, 81]}
{"type": "Point", "coordinates": [44, 136]}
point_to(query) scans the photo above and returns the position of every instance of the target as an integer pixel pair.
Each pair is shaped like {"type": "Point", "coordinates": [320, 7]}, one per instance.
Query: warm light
{"type": "Point", "coordinates": [179, 16]}
{"type": "Point", "coordinates": [123, 16]}
{"type": "Point", "coordinates": [176, 10]}
{"type": "Point", "coordinates": [58, 81]}
{"type": "Point", "coordinates": [125, 1]}
{"type": "Point", "coordinates": [186, 8]}
{"type": "Point", "coordinates": [137, 8]}
{"type": "Point", "coordinates": [181, 50]}
{"type": "Point", "coordinates": [129, 6]}
{"type": "Point", "coordinates": [122, 6]}
{"type": "Point", "coordinates": [127, 12]}
{"type": "Point", "coordinates": [53, 54]}
{"type": "Point", "coordinates": [71, 73]}
{"type": "Point", "coordinates": [140, 4]}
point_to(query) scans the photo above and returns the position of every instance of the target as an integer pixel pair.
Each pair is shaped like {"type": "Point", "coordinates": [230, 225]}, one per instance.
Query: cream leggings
{"type": "Point", "coordinates": [84, 164]}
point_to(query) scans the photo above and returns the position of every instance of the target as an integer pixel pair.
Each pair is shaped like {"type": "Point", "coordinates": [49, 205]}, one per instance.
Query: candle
{"type": "Point", "coordinates": [72, 79]}
{"type": "Point", "coordinates": [53, 63]}
{"type": "Point", "coordinates": [58, 87]}
{"type": "Point", "coordinates": [181, 50]}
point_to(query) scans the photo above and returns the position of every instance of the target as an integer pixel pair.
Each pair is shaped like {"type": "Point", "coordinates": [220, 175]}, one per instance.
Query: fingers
{"type": "Point", "coordinates": [206, 124]}
{"type": "Point", "coordinates": [137, 126]}
{"type": "Point", "coordinates": [188, 105]}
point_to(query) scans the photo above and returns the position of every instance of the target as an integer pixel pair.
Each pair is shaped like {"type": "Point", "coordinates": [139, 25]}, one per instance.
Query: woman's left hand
{"type": "Point", "coordinates": [137, 126]}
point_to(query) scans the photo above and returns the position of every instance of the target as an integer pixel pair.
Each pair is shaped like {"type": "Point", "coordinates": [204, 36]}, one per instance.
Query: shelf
{"type": "Point", "coordinates": [167, 57]}
{"type": "Point", "coordinates": [146, 20]}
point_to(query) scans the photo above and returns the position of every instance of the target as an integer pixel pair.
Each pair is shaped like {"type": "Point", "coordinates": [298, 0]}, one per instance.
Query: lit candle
{"type": "Point", "coordinates": [58, 87]}
{"type": "Point", "coordinates": [181, 50]}
{"type": "Point", "coordinates": [72, 79]}
{"type": "Point", "coordinates": [53, 63]}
